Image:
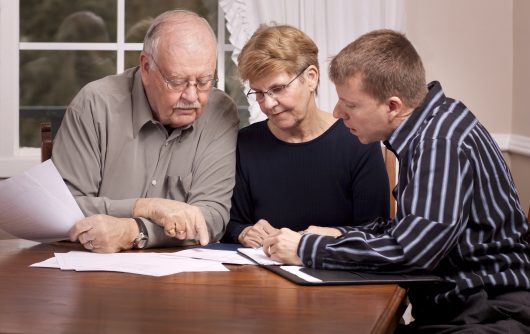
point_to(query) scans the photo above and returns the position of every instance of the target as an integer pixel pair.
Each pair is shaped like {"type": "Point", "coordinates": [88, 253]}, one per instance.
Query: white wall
{"type": "Point", "coordinates": [480, 52]}
{"type": "Point", "coordinates": [468, 47]}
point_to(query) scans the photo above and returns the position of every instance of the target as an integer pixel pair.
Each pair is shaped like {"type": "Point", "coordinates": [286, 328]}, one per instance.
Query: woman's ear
{"type": "Point", "coordinates": [312, 74]}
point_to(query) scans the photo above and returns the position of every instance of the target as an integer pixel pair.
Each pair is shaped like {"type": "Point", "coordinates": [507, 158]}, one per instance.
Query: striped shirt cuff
{"type": "Point", "coordinates": [311, 249]}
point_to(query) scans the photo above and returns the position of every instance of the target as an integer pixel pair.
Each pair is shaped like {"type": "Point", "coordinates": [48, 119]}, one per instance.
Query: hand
{"type": "Point", "coordinates": [329, 231]}
{"type": "Point", "coordinates": [252, 236]}
{"type": "Point", "coordinates": [179, 220]}
{"type": "Point", "coordinates": [105, 234]}
{"type": "Point", "coordinates": [282, 246]}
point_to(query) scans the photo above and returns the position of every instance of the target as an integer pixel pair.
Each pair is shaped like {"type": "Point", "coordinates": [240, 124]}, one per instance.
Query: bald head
{"type": "Point", "coordinates": [179, 30]}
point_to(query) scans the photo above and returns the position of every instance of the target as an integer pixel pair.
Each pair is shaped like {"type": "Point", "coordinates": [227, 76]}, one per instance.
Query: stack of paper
{"type": "Point", "coordinates": [258, 255]}
{"type": "Point", "coordinates": [223, 256]}
{"type": "Point", "coordinates": [37, 205]}
{"type": "Point", "coordinates": [153, 264]}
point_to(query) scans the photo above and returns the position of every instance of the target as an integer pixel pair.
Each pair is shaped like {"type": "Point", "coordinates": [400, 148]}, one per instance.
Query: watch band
{"type": "Point", "coordinates": [143, 236]}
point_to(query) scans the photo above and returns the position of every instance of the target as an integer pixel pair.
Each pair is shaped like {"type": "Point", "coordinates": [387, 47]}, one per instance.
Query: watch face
{"type": "Point", "coordinates": [142, 243]}
{"type": "Point", "coordinates": [141, 240]}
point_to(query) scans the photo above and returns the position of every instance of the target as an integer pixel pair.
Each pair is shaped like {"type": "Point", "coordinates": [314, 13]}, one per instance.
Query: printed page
{"type": "Point", "coordinates": [37, 205]}
{"type": "Point", "coordinates": [258, 255]}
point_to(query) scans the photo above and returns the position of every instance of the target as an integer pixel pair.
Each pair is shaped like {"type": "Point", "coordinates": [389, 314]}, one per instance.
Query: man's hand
{"type": "Point", "coordinates": [105, 234]}
{"type": "Point", "coordinates": [329, 231]}
{"type": "Point", "coordinates": [282, 246]}
{"type": "Point", "coordinates": [179, 220]}
{"type": "Point", "coordinates": [252, 236]}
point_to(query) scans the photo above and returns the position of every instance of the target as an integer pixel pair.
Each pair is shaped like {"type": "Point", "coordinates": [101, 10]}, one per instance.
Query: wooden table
{"type": "Point", "coordinates": [248, 299]}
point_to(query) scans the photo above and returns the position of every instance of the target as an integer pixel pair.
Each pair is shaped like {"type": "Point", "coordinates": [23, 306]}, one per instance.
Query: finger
{"type": "Point", "coordinates": [84, 237]}
{"type": "Point", "coordinates": [170, 231]}
{"type": "Point", "coordinates": [181, 235]}
{"type": "Point", "coordinates": [88, 245]}
{"type": "Point", "coordinates": [262, 222]}
{"type": "Point", "coordinates": [266, 226]}
{"type": "Point", "coordinates": [172, 227]}
{"type": "Point", "coordinates": [78, 228]}
{"type": "Point", "coordinates": [259, 232]}
{"type": "Point", "coordinates": [255, 234]}
{"type": "Point", "coordinates": [267, 245]}
{"type": "Point", "coordinates": [252, 242]}
{"type": "Point", "coordinates": [190, 228]}
{"type": "Point", "coordinates": [201, 231]}
{"type": "Point", "coordinates": [269, 229]}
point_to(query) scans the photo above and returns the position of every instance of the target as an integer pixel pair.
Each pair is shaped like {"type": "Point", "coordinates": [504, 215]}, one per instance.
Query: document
{"type": "Point", "coordinates": [37, 205]}
{"type": "Point", "coordinates": [222, 256]}
{"type": "Point", "coordinates": [258, 256]}
{"type": "Point", "coordinates": [151, 264]}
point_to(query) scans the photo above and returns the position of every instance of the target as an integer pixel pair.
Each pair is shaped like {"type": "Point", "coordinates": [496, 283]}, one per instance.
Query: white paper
{"type": "Point", "coordinates": [37, 205]}
{"type": "Point", "coordinates": [258, 255]}
{"type": "Point", "coordinates": [152, 264]}
{"type": "Point", "coordinates": [295, 270]}
{"type": "Point", "coordinates": [222, 256]}
{"type": "Point", "coordinates": [49, 263]}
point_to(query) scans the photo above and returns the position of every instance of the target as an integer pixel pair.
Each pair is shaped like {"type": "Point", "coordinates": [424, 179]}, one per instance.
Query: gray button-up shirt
{"type": "Point", "coordinates": [111, 151]}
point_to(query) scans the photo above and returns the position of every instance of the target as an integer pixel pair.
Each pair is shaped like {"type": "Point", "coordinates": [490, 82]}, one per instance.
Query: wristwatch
{"type": "Point", "coordinates": [142, 238]}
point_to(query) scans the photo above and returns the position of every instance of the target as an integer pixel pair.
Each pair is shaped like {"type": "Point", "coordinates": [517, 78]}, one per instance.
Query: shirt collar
{"type": "Point", "coordinates": [399, 139]}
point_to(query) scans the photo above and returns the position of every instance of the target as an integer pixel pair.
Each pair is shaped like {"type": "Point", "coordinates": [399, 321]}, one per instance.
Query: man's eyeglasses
{"type": "Point", "coordinates": [178, 85]}
{"type": "Point", "coordinates": [273, 92]}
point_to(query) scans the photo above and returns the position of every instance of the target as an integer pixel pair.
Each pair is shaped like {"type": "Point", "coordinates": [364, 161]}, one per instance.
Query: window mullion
{"type": "Point", "coordinates": [120, 29]}
{"type": "Point", "coordinates": [221, 48]}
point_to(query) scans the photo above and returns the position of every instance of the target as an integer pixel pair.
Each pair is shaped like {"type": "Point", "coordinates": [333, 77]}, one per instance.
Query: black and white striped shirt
{"type": "Point", "coordinates": [458, 213]}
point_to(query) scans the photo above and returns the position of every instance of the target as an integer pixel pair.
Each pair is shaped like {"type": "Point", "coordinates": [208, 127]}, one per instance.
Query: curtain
{"type": "Point", "coordinates": [332, 24]}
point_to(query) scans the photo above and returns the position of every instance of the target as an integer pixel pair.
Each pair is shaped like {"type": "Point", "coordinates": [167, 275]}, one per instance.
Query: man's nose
{"type": "Point", "coordinates": [190, 93]}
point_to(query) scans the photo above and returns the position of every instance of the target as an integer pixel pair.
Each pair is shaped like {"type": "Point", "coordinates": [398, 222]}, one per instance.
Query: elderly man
{"type": "Point", "coordinates": [458, 214]}
{"type": "Point", "coordinates": [149, 154]}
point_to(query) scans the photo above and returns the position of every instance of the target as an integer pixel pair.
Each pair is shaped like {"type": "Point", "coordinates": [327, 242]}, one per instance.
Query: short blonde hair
{"type": "Point", "coordinates": [276, 49]}
{"type": "Point", "coordinates": [388, 65]}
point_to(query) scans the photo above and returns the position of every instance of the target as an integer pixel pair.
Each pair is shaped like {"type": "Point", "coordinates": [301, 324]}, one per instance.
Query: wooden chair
{"type": "Point", "coordinates": [46, 144]}
{"type": "Point", "coordinates": [390, 164]}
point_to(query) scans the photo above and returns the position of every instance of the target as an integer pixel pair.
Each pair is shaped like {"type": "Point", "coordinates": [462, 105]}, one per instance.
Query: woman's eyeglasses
{"type": "Point", "coordinates": [273, 92]}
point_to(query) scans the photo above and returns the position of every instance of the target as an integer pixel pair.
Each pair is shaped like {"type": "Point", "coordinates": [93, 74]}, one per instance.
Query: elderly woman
{"type": "Point", "coordinates": [301, 166]}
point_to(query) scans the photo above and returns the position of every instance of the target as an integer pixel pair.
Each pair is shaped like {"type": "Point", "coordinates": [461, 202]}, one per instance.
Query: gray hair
{"type": "Point", "coordinates": [175, 17]}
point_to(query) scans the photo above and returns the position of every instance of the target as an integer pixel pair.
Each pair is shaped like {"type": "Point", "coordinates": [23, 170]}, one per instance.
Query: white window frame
{"type": "Point", "coordinates": [15, 159]}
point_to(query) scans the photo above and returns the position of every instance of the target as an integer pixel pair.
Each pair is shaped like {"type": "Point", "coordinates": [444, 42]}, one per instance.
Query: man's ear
{"type": "Point", "coordinates": [145, 65]}
{"type": "Point", "coordinates": [395, 107]}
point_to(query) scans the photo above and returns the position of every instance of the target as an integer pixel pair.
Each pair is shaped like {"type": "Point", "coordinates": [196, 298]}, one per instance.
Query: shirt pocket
{"type": "Point", "coordinates": [179, 187]}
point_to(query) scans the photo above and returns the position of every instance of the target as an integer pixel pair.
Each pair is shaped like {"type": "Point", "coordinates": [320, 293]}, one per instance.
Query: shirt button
{"type": "Point", "coordinates": [309, 263]}
{"type": "Point", "coordinates": [153, 182]}
{"type": "Point", "coordinates": [166, 144]}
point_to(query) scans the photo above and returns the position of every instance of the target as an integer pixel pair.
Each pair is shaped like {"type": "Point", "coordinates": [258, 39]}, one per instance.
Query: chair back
{"type": "Point", "coordinates": [46, 144]}
{"type": "Point", "coordinates": [390, 164]}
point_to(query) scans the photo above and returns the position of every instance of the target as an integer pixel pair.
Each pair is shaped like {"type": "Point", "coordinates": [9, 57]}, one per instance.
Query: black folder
{"type": "Point", "coordinates": [343, 277]}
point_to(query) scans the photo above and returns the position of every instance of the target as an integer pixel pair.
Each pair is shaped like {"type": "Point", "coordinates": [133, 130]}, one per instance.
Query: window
{"type": "Point", "coordinates": [61, 45]}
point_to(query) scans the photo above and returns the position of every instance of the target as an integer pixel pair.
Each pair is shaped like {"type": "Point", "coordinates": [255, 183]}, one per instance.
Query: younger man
{"type": "Point", "coordinates": [458, 213]}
